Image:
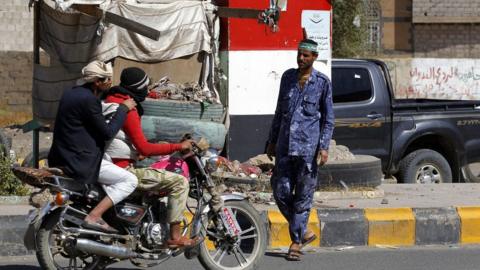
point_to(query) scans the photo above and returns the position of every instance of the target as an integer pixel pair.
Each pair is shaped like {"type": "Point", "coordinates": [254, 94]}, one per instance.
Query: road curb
{"type": "Point", "coordinates": [335, 228]}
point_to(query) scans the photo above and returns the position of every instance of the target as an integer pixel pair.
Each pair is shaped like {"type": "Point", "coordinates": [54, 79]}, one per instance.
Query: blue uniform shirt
{"type": "Point", "coordinates": [304, 120]}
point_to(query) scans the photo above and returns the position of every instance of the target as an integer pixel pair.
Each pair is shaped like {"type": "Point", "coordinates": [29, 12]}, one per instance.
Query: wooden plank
{"type": "Point", "coordinates": [120, 21]}
{"type": "Point", "coordinates": [225, 12]}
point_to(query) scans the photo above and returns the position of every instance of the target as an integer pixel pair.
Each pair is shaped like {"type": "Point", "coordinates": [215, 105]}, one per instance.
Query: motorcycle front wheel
{"type": "Point", "coordinates": [243, 253]}
{"type": "Point", "coordinates": [57, 251]}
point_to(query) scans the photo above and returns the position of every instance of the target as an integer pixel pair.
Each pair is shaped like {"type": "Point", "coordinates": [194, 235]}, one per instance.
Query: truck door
{"type": "Point", "coordinates": [361, 105]}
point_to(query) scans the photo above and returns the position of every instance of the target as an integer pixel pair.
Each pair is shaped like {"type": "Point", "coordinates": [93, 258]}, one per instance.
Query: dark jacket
{"type": "Point", "coordinates": [80, 134]}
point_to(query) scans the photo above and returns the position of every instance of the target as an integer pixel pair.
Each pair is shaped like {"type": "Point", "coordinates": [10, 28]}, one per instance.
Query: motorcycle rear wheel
{"type": "Point", "coordinates": [55, 252]}
{"type": "Point", "coordinates": [221, 254]}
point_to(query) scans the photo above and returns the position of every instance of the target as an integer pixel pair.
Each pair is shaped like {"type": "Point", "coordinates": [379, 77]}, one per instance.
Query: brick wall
{"type": "Point", "coordinates": [16, 80]}
{"type": "Point", "coordinates": [16, 45]}
{"type": "Point", "coordinates": [16, 23]}
{"type": "Point", "coordinates": [442, 8]}
{"type": "Point", "coordinates": [447, 40]}
{"type": "Point", "coordinates": [396, 26]}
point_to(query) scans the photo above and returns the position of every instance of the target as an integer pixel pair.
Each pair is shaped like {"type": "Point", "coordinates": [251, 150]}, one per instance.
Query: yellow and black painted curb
{"type": "Point", "coordinates": [384, 226]}
{"type": "Point", "coordinates": [337, 227]}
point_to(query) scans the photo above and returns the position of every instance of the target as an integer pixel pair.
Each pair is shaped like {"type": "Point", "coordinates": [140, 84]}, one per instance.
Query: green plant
{"type": "Point", "coordinates": [349, 28]}
{"type": "Point", "coordinates": [9, 184]}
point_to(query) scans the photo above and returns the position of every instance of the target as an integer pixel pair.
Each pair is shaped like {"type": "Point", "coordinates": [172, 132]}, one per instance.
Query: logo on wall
{"type": "Point", "coordinates": [317, 26]}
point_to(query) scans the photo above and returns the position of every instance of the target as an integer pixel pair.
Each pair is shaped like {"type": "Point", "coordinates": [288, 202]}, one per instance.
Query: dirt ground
{"type": "Point", "coordinates": [22, 143]}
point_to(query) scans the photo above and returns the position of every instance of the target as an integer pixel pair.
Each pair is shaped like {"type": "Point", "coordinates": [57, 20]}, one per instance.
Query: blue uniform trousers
{"type": "Point", "coordinates": [293, 183]}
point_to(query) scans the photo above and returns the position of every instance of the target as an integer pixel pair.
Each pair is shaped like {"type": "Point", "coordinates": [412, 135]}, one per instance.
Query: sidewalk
{"type": "Point", "coordinates": [392, 215]}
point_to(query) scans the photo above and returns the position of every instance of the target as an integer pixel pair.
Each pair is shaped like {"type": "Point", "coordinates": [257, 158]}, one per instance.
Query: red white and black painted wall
{"type": "Point", "coordinates": [254, 59]}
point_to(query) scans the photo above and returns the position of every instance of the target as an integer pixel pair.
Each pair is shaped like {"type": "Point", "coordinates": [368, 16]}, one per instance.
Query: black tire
{"type": "Point", "coordinates": [42, 158]}
{"type": "Point", "coordinates": [259, 242]}
{"type": "Point", "coordinates": [43, 244]}
{"type": "Point", "coordinates": [363, 171]}
{"type": "Point", "coordinates": [5, 144]}
{"type": "Point", "coordinates": [424, 166]}
{"type": "Point", "coordinates": [183, 109]}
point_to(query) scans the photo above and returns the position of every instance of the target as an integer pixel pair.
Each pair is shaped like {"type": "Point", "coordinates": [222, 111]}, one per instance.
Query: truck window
{"type": "Point", "coordinates": [351, 85]}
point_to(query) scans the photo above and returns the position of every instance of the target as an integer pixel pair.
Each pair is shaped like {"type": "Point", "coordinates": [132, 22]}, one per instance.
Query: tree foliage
{"type": "Point", "coordinates": [349, 28]}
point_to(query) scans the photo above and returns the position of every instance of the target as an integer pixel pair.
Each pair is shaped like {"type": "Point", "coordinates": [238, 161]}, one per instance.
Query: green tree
{"type": "Point", "coordinates": [349, 28]}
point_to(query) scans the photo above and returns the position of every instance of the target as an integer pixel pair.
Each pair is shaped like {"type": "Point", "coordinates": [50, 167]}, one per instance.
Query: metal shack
{"type": "Point", "coordinates": [216, 68]}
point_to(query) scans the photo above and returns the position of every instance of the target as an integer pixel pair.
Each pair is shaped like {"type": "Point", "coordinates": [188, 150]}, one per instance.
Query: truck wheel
{"type": "Point", "coordinates": [363, 171]}
{"type": "Point", "coordinates": [424, 166]}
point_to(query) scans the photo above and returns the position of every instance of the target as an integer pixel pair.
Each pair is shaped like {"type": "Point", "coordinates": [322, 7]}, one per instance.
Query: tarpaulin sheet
{"type": "Point", "coordinates": [73, 39]}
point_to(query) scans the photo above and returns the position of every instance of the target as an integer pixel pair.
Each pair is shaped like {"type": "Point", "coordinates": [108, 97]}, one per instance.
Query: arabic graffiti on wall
{"type": "Point", "coordinates": [436, 78]}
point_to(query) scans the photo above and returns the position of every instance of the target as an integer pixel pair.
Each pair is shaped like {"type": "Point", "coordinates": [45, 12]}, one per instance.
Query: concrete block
{"type": "Point", "coordinates": [390, 226]}
{"type": "Point", "coordinates": [436, 226]}
{"type": "Point", "coordinates": [343, 227]}
{"type": "Point", "coordinates": [11, 235]}
{"type": "Point", "coordinates": [279, 232]}
{"type": "Point", "coordinates": [470, 224]}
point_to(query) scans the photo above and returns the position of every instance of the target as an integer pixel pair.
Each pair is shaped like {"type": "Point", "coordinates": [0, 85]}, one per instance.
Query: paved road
{"type": "Point", "coordinates": [417, 258]}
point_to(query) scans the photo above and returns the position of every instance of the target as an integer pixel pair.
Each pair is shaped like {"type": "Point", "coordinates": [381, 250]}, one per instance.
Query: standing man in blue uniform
{"type": "Point", "coordinates": [300, 134]}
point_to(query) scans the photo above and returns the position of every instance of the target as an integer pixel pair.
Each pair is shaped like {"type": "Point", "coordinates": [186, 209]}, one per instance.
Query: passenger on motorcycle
{"type": "Point", "coordinates": [80, 134]}
{"type": "Point", "coordinates": [130, 143]}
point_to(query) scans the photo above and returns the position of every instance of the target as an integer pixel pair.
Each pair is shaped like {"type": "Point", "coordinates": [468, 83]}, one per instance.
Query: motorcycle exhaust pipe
{"type": "Point", "coordinates": [90, 246]}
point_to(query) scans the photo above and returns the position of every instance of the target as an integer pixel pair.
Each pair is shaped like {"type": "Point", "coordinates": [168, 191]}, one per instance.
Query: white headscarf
{"type": "Point", "coordinates": [95, 70]}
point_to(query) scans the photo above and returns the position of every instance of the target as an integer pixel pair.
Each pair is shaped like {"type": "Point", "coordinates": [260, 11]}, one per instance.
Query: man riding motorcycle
{"type": "Point", "coordinates": [80, 134]}
{"type": "Point", "coordinates": [124, 150]}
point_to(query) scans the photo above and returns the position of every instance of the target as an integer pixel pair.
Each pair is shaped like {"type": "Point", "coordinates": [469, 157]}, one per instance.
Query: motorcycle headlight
{"type": "Point", "coordinates": [212, 164]}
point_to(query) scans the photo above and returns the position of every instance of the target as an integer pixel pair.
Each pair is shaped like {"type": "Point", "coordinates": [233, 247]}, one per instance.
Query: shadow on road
{"type": "Point", "coordinates": [31, 267]}
{"type": "Point", "coordinates": [18, 267]}
{"type": "Point", "coordinates": [273, 254]}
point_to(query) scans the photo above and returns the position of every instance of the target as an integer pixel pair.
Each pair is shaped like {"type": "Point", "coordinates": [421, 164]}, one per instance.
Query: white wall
{"type": "Point", "coordinates": [254, 79]}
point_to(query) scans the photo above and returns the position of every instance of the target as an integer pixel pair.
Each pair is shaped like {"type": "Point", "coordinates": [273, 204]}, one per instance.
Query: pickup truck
{"type": "Point", "coordinates": [417, 140]}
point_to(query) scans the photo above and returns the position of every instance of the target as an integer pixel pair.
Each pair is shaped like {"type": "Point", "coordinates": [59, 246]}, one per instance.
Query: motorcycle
{"type": "Point", "coordinates": [235, 236]}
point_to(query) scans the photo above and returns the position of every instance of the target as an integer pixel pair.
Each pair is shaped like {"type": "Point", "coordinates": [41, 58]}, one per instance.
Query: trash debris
{"type": "Point", "coordinates": [40, 197]}
{"type": "Point", "coordinates": [344, 185]}
{"type": "Point", "coordinates": [386, 246]}
{"type": "Point", "coordinates": [339, 152]}
{"type": "Point", "coordinates": [344, 248]}
{"type": "Point", "coordinates": [369, 194]}
{"type": "Point", "coordinates": [260, 197]}
{"type": "Point", "coordinates": [262, 162]}
{"type": "Point", "coordinates": [384, 201]}
{"type": "Point", "coordinates": [165, 89]}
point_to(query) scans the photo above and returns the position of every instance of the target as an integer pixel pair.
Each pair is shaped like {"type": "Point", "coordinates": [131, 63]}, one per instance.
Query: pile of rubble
{"type": "Point", "coordinates": [260, 167]}
{"type": "Point", "coordinates": [165, 89]}
{"type": "Point", "coordinates": [253, 176]}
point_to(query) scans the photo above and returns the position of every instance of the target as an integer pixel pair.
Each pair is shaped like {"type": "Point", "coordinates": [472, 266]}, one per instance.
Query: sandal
{"type": "Point", "coordinates": [294, 254]}
{"type": "Point", "coordinates": [184, 242]}
{"type": "Point", "coordinates": [99, 225]}
{"type": "Point", "coordinates": [308, 240]}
